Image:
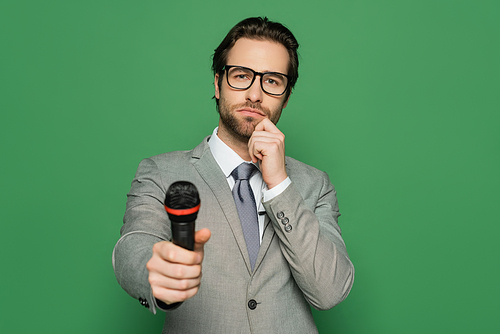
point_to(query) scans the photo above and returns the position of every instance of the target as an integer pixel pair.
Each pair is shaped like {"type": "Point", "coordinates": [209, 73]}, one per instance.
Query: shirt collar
{"type": "Point", "coordinates": [227, 159]}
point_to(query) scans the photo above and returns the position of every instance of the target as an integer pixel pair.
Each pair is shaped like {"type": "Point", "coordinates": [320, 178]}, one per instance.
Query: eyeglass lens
{"type": "Point", "coordinates": [242, 78]}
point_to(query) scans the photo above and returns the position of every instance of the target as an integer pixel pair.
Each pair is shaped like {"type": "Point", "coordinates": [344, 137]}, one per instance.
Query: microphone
{"type": "Point", "coordinates": [182, 203]}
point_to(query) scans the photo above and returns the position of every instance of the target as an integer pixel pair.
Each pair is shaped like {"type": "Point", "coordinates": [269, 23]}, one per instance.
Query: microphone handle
{"type": "Point", "coordinates": [183, 234]}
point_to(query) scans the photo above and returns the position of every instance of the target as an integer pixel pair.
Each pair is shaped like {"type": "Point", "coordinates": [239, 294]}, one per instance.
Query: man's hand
{"type": "Point", "coordinates": [267, 145]}
{"type": "Point", "coordinates": [175, 272]}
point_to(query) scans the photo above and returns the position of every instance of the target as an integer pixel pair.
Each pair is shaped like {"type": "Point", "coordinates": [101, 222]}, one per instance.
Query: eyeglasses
{"type": "Point", "coordinates": [272, 83]}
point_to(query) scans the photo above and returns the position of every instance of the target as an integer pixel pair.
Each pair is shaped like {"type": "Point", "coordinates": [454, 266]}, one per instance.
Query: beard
{"type": "Point", "coordinates": [243, 127]}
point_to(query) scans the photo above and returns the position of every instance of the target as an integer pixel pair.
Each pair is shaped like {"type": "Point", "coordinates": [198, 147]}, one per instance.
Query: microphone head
{"type": "Point", "coordinates": [182, 201]}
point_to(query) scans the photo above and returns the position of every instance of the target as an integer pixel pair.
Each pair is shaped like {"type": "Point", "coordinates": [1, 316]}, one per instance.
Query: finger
{"type": "Point", "coordinates": [175, 254]}
{"type": "Point", "coordinates": [166, 282]}
{"type": "Point", "coordinates": [255, 155]}
{"type": "Point", "coordinates": [277, 138]}
{"type": "Point", "coordinates": [157, 265]}
{"type": "Point", "coordinates": [267, 137]}
{"type": "Point", "coordinates": [266, 125]}
{"type": "Point", "coordinates": [170, 296]}
{"type": "Point", "coordinates": [265, 145]}
{"type": "Point", "coordinates": [256, 138]}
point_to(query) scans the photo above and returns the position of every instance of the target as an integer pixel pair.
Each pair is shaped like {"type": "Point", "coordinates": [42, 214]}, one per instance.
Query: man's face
{"type": "Point", "coordinates": [241, 110]}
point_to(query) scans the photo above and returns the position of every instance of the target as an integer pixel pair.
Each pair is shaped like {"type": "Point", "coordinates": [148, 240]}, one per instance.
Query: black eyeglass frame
{"type": "Point", "coordinates": [261, 74]}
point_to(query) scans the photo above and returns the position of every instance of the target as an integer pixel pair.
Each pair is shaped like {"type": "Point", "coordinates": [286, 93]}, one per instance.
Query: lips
{"type": "Point", "coordinates": [251, 112]}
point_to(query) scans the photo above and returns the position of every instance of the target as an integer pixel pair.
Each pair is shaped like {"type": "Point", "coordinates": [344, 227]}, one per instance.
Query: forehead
{"type": "Point", "coordinates": [259, 55]}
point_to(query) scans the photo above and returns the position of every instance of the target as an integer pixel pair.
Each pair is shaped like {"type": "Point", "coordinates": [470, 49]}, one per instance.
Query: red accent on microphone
{"type": "Point", "coordinates": [183, 212]}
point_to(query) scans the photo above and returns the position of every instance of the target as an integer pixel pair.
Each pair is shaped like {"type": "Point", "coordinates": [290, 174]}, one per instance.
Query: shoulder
{"type": "Point", "coordinates": [179, 158]}
{"type": "Point", "coordinates": [305, 177]}
{"type": "Point", "coordinates": [171, 157]}
{"type": "Point", "coordinates": [298, 168]}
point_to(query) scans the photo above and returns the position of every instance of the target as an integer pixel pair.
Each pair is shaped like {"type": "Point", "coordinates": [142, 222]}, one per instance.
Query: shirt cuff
{"type": "Point", "coordinates": [167, 307]}
{"type": "Point", "coordinates": [272, 193]}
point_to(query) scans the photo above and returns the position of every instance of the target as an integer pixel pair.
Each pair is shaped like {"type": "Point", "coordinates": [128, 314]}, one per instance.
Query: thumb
{"type": "Point", "coordinates": [200, 238]}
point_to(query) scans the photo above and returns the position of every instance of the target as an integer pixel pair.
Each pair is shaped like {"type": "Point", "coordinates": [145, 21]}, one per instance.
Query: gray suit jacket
{"type": "Point", "coordinates": [298, 267]}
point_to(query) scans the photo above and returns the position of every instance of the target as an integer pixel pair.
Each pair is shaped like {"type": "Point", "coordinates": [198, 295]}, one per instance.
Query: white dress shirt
{"type": "Point", "coordinates": [228, 160]}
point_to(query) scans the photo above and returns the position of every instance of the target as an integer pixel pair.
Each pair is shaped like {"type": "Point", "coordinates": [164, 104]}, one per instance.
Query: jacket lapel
{"type": "Point", "coordinates": [267, 237]}
{"type": "Point", "coordinates": [209, 170]}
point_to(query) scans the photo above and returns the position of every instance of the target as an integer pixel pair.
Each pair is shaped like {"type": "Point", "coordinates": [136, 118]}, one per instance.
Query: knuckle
{"type": "Point", "coordinates": [157, 247]}
{"type": "Point", "coordinates": [183, 285]}
{"type": "Point", "coordinates": [171, 255]}
{"type": "Point", "coordinates": [149, 265]}
{"type": "Point", "coordinates": [152, 281]}
{"type": "Point", "coordinates": [179, 271]}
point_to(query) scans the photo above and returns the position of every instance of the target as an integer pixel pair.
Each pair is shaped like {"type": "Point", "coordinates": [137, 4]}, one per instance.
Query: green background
{"type": "Point", "coordinates": [397, 100]}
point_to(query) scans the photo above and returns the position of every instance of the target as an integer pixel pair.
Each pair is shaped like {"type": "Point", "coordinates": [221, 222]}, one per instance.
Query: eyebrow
{"type": "Point", "coordinates": [265, 71]}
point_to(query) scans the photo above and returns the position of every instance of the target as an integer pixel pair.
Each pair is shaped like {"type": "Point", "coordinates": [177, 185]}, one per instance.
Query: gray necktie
{"type": "Point", "coordinates": [247, 209]}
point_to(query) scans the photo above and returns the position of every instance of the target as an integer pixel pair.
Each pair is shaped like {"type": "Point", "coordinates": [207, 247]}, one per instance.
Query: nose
{"type": "Point", "coordinates": [254, 93]}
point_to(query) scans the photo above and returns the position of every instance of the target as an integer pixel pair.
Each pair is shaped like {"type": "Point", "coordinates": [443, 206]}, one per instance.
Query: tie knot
{"type": "Point", "coordinates": [243, 171]}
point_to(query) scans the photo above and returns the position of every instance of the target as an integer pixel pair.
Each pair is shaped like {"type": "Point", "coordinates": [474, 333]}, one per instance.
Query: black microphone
{"type": "Point", "coordinates": [182, 203]}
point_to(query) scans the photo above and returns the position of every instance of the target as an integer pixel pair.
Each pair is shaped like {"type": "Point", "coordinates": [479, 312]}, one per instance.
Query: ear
{"type": "Point", "coordinates": [216, 84]}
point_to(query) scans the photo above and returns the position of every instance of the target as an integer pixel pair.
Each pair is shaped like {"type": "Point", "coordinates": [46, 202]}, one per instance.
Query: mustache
{"type": "Point", "coordinates": [252, 105]}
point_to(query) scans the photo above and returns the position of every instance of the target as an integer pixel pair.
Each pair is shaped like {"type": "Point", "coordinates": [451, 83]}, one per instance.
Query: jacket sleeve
{"type": "Point", "coordinates": [145, 223]}
{"type": "Point", "coordinates": [306, 222]}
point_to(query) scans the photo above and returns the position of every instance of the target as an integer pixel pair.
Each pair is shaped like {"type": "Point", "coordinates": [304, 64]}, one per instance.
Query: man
{"type": "Point", "coordinates": [258, 277]}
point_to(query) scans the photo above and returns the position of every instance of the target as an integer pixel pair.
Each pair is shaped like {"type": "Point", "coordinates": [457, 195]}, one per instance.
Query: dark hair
{"type": "Point", "coordinates": [261, 29]}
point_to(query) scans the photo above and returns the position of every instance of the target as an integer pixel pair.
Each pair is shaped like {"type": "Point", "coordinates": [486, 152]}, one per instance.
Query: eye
{"type": "Point", "coordinates": [240, 74]}
{"type": "Point", "coordinates": [274, 80]}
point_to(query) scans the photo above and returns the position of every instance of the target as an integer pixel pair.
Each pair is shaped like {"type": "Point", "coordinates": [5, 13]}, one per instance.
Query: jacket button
{"type": "Point", "coordinates": [285, 221]}
{"type": "Point", "coordinates": [288, 228]}
{"type": "Point", "coordinates": [280, 215]}
{"type": "Point", "coordinates": [144, 302]}
{"type": "Point", "coordinates": [252, 304]}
